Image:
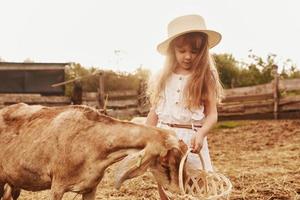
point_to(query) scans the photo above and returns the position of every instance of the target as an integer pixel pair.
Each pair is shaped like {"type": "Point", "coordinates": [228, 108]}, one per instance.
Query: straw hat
{"type": "Point", "coordinates": [186, 24]}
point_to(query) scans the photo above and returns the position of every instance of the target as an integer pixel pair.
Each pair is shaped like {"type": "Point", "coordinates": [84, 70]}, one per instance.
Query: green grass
{"type": "Point", "coordinates": [228, 124]}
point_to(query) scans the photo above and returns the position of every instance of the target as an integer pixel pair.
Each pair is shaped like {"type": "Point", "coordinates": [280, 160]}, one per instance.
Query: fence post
{"type": "Point", "coordinates": [275, 90]}
{"type": "Point", "coordinates": [76, 97]}
{"type": "Point", "coordinates": [143, 101]}
{"type": "Point", "coordinates": [101, 91]}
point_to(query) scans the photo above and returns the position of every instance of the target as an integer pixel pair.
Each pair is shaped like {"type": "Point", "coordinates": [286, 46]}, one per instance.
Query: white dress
{"type": "Point", "coordinates": [170, 109]}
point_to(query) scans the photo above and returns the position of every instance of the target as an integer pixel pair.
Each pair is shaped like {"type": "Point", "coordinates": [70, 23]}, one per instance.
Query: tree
{"type": "Point", "coordinates": [112, 80]}
{"type": "Point", "coordinates": [292, 71]}
{"type": "Point", "coordinates": [228, 69]}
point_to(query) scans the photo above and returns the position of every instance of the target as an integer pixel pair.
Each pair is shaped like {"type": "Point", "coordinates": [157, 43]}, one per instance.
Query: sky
{"type": "Point", "coordinates": [123, 34]}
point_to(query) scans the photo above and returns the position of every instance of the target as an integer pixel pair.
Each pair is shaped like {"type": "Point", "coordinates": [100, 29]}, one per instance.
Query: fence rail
{"type": "Point", "coordinates": [8, 99]}
{"type": "Point", "coordinates": [263, 101]}
{"type": "Point", "coordinates": [121, 104]}
{"type": "Point", "coordinates": [239, 103]}
{"type": "Point", "coordinates": [260, 101]}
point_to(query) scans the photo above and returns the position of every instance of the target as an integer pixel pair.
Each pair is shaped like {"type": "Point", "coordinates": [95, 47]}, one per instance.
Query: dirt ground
{"type": "Point", "coordinates": [262, 159]}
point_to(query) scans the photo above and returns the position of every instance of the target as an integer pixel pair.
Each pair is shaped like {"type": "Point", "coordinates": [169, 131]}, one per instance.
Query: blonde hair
{"type": "Point", "coordinates": [204, 77]}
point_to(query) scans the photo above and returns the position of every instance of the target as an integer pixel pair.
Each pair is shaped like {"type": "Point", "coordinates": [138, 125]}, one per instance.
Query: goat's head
{"type": "Point", "coordinates": [162, 159]}
{"type": "Point", "coordinates": [166, 166]}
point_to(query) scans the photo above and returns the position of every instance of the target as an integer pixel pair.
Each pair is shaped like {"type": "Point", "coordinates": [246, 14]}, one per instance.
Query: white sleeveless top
{"type": "Point", "coordinates": [170, 108]}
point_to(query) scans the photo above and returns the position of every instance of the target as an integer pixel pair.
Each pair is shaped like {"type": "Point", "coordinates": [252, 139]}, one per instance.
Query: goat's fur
{"type": "Point", "coordinates": [68, 149]}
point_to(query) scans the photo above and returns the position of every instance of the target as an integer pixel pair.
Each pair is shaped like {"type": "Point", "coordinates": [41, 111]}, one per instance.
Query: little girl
{"type": "Point", "coordinates": [184, 96]}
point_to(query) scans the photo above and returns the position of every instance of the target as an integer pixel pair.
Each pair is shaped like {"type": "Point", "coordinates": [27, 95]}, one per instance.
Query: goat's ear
{"type": "Point", "coordinates": [131, 166]}
{"type": "Point", "coordinates": [164, 155]}
{"type": "Point", "coordinates": [183, 146]}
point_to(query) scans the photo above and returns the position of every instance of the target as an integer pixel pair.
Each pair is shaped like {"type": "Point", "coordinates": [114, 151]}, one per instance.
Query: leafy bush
{"type": "Point", "coordinates": [232, 74]}
{"type": "Point", "coordinates": [89, 78]}
{"type": "Point", "coordinates": [259, 71]}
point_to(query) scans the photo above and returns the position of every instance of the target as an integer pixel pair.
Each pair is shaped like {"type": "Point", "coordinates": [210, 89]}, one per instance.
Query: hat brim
{"type": "Point", "coordinates": [213, 39]}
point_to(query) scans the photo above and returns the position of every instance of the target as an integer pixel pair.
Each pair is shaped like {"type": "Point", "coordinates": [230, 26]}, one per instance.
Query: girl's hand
{"type": "Point", "coordinates": [197, 142]}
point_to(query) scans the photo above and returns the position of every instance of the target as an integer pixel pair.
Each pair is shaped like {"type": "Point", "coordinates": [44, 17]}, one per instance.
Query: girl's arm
{"type": "Point", "coordinates": [211, 113]}
{"type": "Point", "coordinates": [152, 117]}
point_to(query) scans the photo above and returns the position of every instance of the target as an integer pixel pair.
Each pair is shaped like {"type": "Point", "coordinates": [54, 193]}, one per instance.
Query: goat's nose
{"type": "Point", "coordinates": [164, 160]}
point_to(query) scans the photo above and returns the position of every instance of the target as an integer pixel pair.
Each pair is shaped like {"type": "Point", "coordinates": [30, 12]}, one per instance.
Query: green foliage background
{"type": "Point", "coordinates": [233, 73]}
{"type": "Point", "coordinates": [112, 80]}
{"type": "Point", "coordinates": [258, 71]}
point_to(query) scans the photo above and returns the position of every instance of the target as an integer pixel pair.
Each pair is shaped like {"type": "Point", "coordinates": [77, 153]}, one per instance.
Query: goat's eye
{"type": "Point", "coordinates": [164, 165]}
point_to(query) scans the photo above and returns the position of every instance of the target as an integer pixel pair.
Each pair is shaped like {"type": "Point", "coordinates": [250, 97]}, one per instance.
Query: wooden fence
{"type": "Point", "coordinates": [120, 104]}
{"type": "Point", "coordinates": [261, 101]}
{"type": "Point", "coordinates": [8, 99]}
{"type": "Point", "coordinates": [273, 100]}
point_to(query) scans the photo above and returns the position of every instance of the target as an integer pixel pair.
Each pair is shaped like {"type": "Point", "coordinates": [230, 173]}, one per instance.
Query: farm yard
{"type": "Point", "coordinates": [261, 157]}
{"type": "Point", "coordinates": [78, 79]}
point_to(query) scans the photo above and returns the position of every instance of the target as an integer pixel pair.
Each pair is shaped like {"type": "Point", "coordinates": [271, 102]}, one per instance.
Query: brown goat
{"type": "Point", "coordinates": [68, 149]}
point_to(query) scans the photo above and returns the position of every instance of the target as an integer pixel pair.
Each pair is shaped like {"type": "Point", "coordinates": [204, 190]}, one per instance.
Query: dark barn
{"type": "Point", "coordinates": [32, 78]}
{"type": "Point", "coordinates": [31, 83]}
